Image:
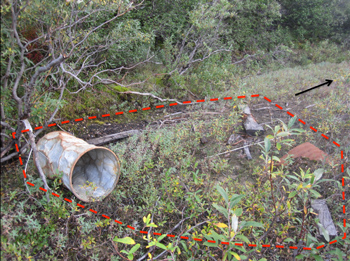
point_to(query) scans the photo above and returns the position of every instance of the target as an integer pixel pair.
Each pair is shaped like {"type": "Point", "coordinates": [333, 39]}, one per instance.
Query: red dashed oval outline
{"type": "Point", "coordinates": [182, 237]}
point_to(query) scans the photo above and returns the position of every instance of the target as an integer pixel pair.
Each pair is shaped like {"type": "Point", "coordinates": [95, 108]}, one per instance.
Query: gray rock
{"type": "Point", "coordinates": [252, 127]}
{"type": "Point", "coordinates": [320, 206]}
{"type": "Point", "coordinates": [246, 110]}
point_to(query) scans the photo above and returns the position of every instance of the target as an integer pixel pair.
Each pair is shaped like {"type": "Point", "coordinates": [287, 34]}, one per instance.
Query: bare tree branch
{"type": "Point", "coordinates": [42, 69]}
{"type": "Point", "coordinates": [12, 155]}
{"type": "Point", "coordinates": [150, 94]}
{"type": "Point", "coordinates": [7, 126]}
{"type": "Point", "coordinates": [35, 155]}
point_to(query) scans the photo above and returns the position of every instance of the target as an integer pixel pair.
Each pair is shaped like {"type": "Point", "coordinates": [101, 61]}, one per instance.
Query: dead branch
{"type": "Point", "coordinates": [112, 137]}
{"type": "Point", "coordinates": [235, 149]}
{"type": "Point", "coordinates": [35, 155]}
{"type": "Point", "coordinates": [246, 150]}
{"type": "Point", "coordinates": [150, 94]}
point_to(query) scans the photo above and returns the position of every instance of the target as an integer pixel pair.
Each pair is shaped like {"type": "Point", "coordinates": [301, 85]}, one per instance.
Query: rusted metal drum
{"type": "Point", "coordinates": [89, 171]}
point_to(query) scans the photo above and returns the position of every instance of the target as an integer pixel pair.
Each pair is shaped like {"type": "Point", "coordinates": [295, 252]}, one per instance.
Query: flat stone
{"type": "Point", "coordinates": [252, 127]}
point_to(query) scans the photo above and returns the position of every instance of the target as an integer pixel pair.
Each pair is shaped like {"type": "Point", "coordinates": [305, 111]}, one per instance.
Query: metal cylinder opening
{"type": "Point", "coordinates": [90, 172]}
{"type": "Point", "coordinates": [93, 174]}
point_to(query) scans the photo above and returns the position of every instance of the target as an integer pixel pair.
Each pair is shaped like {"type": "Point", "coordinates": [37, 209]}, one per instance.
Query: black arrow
{"type": "Point", "coordinates": [328, 82]}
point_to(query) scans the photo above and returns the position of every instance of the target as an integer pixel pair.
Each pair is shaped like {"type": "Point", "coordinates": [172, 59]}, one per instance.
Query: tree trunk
{"type": "Point", "coordinates": [35, 155]}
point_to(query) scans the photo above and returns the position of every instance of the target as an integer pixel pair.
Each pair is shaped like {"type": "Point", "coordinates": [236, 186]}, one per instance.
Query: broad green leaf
{"type": "Point", "coordinates": [291, 122]}
{"type": "Point", "coordinates": [293, 177]}
{"type": "Point", "coordinates": [221, 209]}
{"type": "Point", "coordinates": [267, 144]}
{"type": "Point", "coordinates": [312, 179]}
{"type": "Point", "coordinates": [300, 186]}
{"type": "Point", "coordinates": [178, 250]}
{"type": "Point", "coordinates": [131, 257]}
{"type": "Point", "coordinates": [278, 145]}
{"type": "Point", "coordinates": [316, 257]}
{"type": "Point", "coordinates": [312, 238]}
{"type": "Point", "coordinates": [235, 255]}
{"type": "Point", "coordinates": [276, 158]}
{"type": "Point", "coordinates": [283, 134]}
{"type": "Point", "coordinates": [243, 238]}
{"type": "Point", "coordinates": [223, 193]}
{"type": "Point", "coordinates": [253, 224]}
{"type": "Point", "coordinates": [318, 174]}
{"type": "Point", "coordinates": [277, 128]}
{"type": "Point", "coordinates": [235, 199]}
{"type": "Point", "coordinates": [134, 248]}
{"type": "Point", "coordinates": [161, 246]}
{"type": "Point", "coordinates": [284, 125]}
{"type": "Point", "coordinates": [292, 194]}
{"type": "Point", "coordinates": [324, 231]}
{"type": "Point", "coordinates": [211, 244]}
{"type": "Point", "coordinates": [240, 248]}
{"type": "Point", "coordinates": [238, 212]}
{"type": "Point", "coordinates": [287, 240]}
{"type": "Point", "coordinates": [161, 237]}
{"type": "Point", "coordinates": [339, 253]}
{"type": "Point", "coordinates": [185, 246]}
{"type": "Point", "coordinates": [148, 219]}
{"type": "Point", "coordinates": [216, 236]}
{"type": "Point", "coordinates": [125, 240]}
{"type": "Point", "coordinates": [315, 193]}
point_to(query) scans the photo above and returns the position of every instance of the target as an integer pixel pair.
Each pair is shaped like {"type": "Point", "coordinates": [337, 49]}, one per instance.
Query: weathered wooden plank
{"type": "Point", "coordinates": [112, 137]}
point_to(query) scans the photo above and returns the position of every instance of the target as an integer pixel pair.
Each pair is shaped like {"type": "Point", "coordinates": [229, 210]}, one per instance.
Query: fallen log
{"type": "Point", "coordinates": [112, 137]}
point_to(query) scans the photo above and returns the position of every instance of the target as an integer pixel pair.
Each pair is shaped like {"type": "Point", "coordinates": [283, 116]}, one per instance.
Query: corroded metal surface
{"type": "Point", "coordinates": [90, 172]}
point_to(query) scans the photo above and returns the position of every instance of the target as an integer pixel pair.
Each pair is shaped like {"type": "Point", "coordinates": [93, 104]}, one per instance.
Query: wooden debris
{"type": "Point", "coordinates": [246, 150]}
{"type": "Point", "coordinates": [307, 150]}
{"type": "Point", "coordinates": [233, 138]}
{"type": "Point", "coordinates": [250, 124]}
{"type": "Point", "coordinates": [320, 206]}
{"type": "Point", "coordinates": [234, 149]}
{"type": "Point", "coordinates": [112, 137]}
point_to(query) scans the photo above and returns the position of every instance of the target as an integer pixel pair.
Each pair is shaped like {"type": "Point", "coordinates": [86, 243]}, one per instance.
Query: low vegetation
{"type": "Point", "coordinates": [179, 176]}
